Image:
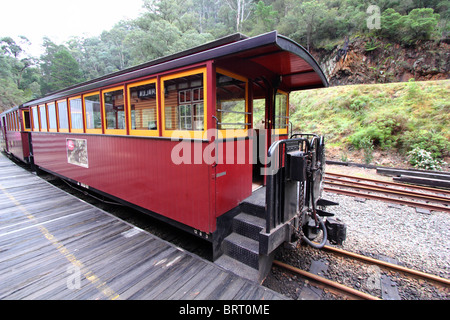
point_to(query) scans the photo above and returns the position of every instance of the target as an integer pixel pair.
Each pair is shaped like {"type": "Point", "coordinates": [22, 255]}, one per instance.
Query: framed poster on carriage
{"type": "Point", "coordinates": [77, 152]}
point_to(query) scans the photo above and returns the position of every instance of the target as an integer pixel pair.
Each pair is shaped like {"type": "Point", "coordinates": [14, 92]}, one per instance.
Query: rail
{"type": "Point", "coordinates": [276, 176]}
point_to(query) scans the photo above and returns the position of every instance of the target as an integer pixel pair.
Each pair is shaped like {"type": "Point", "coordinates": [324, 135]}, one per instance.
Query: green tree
{"type": "Point", "coordinates": [18, 73]}
{"type": "Point", "coordinates": [152, 39]}
{"type": "Point", "coordinates": [419, 24]}
{"type": "Point", "coordinates": [391, 23]}
{"type": "Point", "coordinates": [15, 60]}
{"type": "Point", "coordinates": [303, 21]}
{"type": "Point", "coordinates": [59, 68]}
{"type": "Point", "coordinates": [265, 17]}
{"type": "Point", "coordinates": [10, 95]}
{"type": "Point", "coordinates": [242, 9]}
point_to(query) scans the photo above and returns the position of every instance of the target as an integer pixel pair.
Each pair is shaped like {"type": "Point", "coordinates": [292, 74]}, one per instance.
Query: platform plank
{"type": "Point", "coordinates": [55, 246]}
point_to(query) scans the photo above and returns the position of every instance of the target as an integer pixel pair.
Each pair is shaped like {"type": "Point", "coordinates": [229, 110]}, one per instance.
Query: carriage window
{"type": "Point", "coordinates": [26, 120]}
{"type": "Point", "coordinates": [35, 119]}
{"type": "Point", "coordinates": [62, 116]}
{"type": "Point", "coordinates": [281, 113]}
{"type": "Point", "coordinates": [14, 118]}
{"type": "Point", "coordinates": [93, 113]}
{"type": "Point", "coordinates": [14, 122]}
{"type": "Point", "coordinates": [114, 105]}
{"type": "Point", "coordinates": [17, 121]}
{"type": "Point", "coordinates": [184, 103]}
{"type": "Point", "coordinates": [76, 114]}
{"type": "Point", "coordinates": [51, 116]}
{"type": "Point", "coordinates": [43, 117]}
{"type": "Point", "coordinates": [143, 108]}
{"type": "Point", "coordinates": [231, 106]}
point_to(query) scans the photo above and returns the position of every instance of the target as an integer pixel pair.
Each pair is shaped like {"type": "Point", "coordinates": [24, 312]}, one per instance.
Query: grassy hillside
{"type": "Point", "coordinates": [377, 123]}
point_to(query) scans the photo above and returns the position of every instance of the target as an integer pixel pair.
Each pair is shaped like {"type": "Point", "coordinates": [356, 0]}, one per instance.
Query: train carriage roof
{"type": "Point", "coordinates": [262, 57]}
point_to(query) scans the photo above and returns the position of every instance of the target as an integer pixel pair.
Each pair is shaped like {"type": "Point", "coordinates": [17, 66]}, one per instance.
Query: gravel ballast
{"type": "Point", "coordinates": [395, 233]}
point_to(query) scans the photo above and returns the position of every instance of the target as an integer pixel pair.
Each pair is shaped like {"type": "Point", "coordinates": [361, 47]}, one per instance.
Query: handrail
{"type": "Point", "coordinates": [275, 180]}
{"type": "Point", "coordinates": [216, 141]}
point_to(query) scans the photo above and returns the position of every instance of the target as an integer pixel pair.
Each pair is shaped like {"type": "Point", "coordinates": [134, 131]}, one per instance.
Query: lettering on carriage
{"type": "Point", "coordinates": [148, 93]}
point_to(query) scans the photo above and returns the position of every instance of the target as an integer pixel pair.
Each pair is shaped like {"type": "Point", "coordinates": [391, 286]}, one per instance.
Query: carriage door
{"type": "Point", "coordinates": [270, 124]}
{"type": "Point", "coordinates": [3, 142]}
{"type": "Point", "coordinates": [234, 148]}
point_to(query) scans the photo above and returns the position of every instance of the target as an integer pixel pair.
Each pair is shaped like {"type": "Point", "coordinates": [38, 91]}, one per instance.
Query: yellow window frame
{"type": "Point", "coordinates": [134, 132]}
{"type": "Point", "coordinates": [33, 128]}
{"type": "Point", "coordinates": [13, 118]}
{"type": "Point", "coordinates": [90, 130]}
{"type": "Point", "coordinates": [103, 109]}
{"type": "Point", "coordinates": [285, 130]}
{"type": "Point", "coordinates": [23, 120]}
{"type": "Point", "coordinates": [67, 114]}
{"type": "Point", "coordinates": [193, 134]}
{"type": "Point", "coordinates": [17, 121]}
{"type": "Point", "coordinates": [235, 133]}
{"type": "Point", "coordinates": [46, 117]}
{"type": "Point", "coordinates": [76, 130]}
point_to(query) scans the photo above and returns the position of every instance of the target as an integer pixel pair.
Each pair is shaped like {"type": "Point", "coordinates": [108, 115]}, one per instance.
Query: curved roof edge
{"type": "Point", "coordinates": [290, 45]}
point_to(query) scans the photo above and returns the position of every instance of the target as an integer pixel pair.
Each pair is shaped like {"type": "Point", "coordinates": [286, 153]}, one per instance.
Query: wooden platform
{"type": "Point", "coordinates": [55, 246]}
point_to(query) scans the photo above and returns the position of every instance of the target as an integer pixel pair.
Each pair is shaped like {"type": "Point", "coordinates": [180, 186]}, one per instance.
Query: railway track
{"type": "Point", "coordinates": [410, 195]}
{"type": "Point", "coordinates": [439, 281]}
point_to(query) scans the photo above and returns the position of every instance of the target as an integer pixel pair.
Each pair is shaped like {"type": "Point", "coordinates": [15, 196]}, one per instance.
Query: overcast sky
{"type": "Point", "coordinates": [61, 19]}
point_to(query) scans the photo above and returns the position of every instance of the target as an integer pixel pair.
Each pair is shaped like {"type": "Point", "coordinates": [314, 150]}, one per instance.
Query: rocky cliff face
{"type": "Point", "coordinates": [363, 60]}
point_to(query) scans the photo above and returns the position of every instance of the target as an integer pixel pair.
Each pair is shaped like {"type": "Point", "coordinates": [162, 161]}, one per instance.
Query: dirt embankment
{"type": "Point", "coordinates": [371, 60]}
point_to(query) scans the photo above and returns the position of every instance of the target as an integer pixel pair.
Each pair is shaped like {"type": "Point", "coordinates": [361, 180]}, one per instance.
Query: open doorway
{"type": "Point", "coordinates": [259, 141]}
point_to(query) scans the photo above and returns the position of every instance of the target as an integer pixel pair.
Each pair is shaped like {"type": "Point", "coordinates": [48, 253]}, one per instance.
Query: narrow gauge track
{"type": "Point", "coordinates": [422, 197]}
{"type": "Point", "coordinates": [326, 282]}
{"type": "Point", "coordinates": [390, 266]}
{"type": "Point", "coordinates": [353, 292]}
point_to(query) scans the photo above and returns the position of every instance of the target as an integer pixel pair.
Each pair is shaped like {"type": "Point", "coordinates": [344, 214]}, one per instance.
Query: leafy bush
{"type": "Point", "coordinates": [429, 141]}
{"type": "Point", "coordinates": [372, 45]}
{"type": "Point", "coordinates": [359, 103]}
{"type": "Point", "coordinates": [419, 24]}
{"type": "Point", "coordinates": [423, 159]}
{"type": "Point", "coordinates": [372, 133]}
{"type": "Point", "coordinates": [367, 145]}
{"type": "Point", "coordinates": [384, 132]}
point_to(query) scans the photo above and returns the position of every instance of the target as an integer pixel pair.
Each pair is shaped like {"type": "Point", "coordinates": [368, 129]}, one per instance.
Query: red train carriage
{"type": "Point", "coordinates": [15, 133]}
{"type": "Point", "coordinates": [188, 137]}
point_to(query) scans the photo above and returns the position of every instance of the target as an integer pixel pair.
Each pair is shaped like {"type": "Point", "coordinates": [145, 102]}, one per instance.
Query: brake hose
{"type": "Point", "coordinates": [317, 220]}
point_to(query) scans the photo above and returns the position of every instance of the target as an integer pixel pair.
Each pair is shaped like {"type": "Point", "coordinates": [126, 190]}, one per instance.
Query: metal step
{"type": "Point", "coordinates": [248, 225]}
{"type": "Point", "coordinates": [243, 249]}
{"type": "Point", "coordinates": [237, 267]}
{"type": "Point", "coordinates": [256, 203]}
